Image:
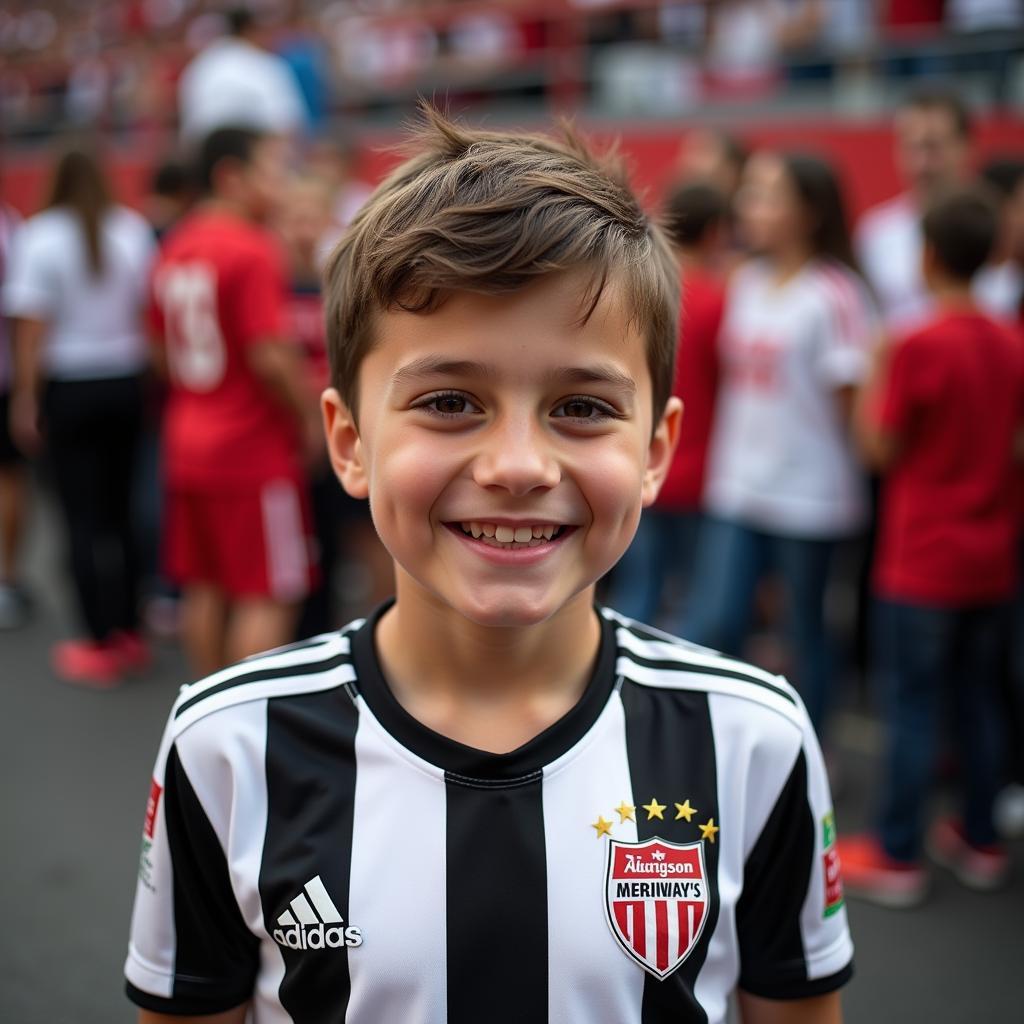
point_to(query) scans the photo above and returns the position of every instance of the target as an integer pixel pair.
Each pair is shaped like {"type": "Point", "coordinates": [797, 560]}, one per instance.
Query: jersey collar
{"type": "Point", "coordinates": [519, 765]}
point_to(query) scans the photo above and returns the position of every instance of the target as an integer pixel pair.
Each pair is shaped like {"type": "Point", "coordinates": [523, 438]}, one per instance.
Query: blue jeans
{"type": "Point", "coordinates": [731, 559]}
{"type": "Point", "coordinates": [663, 547]}
{"type": "Point", "coordinates": [928, 659]}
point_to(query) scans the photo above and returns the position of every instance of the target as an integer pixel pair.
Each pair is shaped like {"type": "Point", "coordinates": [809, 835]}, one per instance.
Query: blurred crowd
{"type": "Point", "coordinates": [845, 494]}
{"type": "Point", "coordinates": [118, 64]}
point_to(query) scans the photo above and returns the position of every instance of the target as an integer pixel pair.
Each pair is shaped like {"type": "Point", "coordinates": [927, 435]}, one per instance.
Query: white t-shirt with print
{"type": "Point", "coordinates": [96, 328]}
{"type": "Point", "coordinates": [889, 245]}
{"type": "Point", "coordinates": [780, 458]}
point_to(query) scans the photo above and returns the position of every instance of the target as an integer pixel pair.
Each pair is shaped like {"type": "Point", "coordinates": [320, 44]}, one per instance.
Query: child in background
{"type": "Point", "coordinates": [695, 221]}
{"type": "Point", "coordinates": [783, 486]}
{"type": "Point", "coordinates": [341, 525]}
{"type": "Point", "coordinates": [941, 419]}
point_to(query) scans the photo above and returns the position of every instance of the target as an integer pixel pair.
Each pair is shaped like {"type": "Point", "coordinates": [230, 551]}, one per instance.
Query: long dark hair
{"type": "Point", "coordinates": [818, 189]}
{"type": "Point", "coordinates": [80, 184]}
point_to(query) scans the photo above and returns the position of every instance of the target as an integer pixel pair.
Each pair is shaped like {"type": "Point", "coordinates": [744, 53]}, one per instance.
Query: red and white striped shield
{"type": "Point", "coordinates": [656, 900]}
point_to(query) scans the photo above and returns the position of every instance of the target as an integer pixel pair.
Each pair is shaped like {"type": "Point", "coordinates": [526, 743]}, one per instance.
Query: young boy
{"type": "Point", "coordinates": [941, 420]}
{"type": "Point", "coordinates": [238, 412]}
{"type": "Point", "coordinates": [492, 801]}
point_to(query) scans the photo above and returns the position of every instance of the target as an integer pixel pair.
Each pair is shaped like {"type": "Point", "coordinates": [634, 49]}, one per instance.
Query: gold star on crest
{"type": "Point", "coordinates": [604, 828]}
{"type": "Point", "coordinates": [654, 809]}
{"type": "Point", "coordinates": [626, 812]}
{"type": "Point", "coordinates": [708, 830]}
{"type": "Point", "coordinates": [684, 810]}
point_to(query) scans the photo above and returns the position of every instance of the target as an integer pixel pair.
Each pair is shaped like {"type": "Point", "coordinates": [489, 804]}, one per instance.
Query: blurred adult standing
{"type": "Point", "coordinates": [999, 285]}
{"type": "Point", "coordinates": [932, 152]}
{"type": "Point", "coordinates": [235, 81]}
{"type": "Point", "coordinates": [14, 603]}
{"type": "Point", "coordinates": [75, 288]}
{"type": "Point", "coordinates": [782, 484]}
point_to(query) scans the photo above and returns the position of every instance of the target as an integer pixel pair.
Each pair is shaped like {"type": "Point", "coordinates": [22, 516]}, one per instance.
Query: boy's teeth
{"type": "Point", "coordinates": [538, 531]}
{"type": "Point", "coordinates": [505, 534]}
{"type": "Point", "coordinates": [476, 529]}
{"type": "Point", "coordinates": [547, 532]}
{"type": "Point", "coordinates": [523, 534]}
{"type": "Point", "coordinates": [527, 535]}
{"type": "Point", "coordinates": [487, 529]}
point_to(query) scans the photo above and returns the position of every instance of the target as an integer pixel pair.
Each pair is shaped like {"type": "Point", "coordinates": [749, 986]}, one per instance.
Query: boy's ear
{"type": "Point", "coordinates": [344, 447]}
{"type": "Point", "coordinates": [661, 450]}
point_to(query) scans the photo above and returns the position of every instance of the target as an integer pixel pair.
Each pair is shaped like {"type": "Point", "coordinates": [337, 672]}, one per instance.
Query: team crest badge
{"type": "Point", "coordinates": [656, 901]}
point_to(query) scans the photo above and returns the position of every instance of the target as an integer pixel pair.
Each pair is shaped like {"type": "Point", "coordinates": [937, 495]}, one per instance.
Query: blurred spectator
{"type": "Point", "coordinates": [782, 482]}
{"type": "Point", "coordinates": [713, 157]}
{"type": "Point", "coordinates": [344, 533]}
{"type": "Point", "coordinates": [334, 160]}
{"type": "Point", "coordinates": [238, 416]}
{"type": "Point", "coordinates": [14, 601]}
{"type": "Point", "coordinates": [663, 549]}
{"type": "Point", "coordinates": [75, 288]}
{"type": "Point", "coordinates": [941, 419]}
{"type": "Point", "coordinates": [932, 151]}
{"type": "Point", "coordinates": [999, 285]}
{"type": "Point", "coordinates": [172, 192]}
{"type": "Point", "coordinates": [235, 81]}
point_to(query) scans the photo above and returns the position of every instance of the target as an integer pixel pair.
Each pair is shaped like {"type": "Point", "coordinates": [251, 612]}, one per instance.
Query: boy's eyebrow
{"type": "Point", "coordinates": [430, 366]}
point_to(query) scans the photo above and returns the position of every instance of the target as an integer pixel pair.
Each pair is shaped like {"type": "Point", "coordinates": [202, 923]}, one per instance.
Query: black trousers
{"type": "Point", "coordinates": [92, 432]}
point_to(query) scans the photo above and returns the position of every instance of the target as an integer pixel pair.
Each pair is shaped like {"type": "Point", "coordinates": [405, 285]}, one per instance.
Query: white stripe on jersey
{"type": "Point", "coordinates": [577, 926]}
{"type": "Point", "coordinates": [406, 928]}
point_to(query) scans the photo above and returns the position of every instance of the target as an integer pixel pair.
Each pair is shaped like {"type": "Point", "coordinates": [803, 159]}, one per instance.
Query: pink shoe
{"type": "Point", "coordinates": [87, 663]}
{"type": "Point", "coordinates": [984, 868]}
{"type": "Point", "coordinates": [870, 873]}
{"type": "Point", "coordinates": [132, 650]}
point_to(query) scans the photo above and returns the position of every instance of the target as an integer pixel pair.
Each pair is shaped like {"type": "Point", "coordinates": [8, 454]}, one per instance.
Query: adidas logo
{"type": "Point", "coordinates": [313, 922]}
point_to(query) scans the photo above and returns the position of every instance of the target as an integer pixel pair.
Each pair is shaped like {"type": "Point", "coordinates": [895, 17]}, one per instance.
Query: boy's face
{"type": "Point", "coordinates": [503, 416]}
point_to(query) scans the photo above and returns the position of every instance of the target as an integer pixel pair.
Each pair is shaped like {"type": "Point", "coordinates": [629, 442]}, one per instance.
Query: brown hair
{"type": "Point", "coordinates": [490, 212]}
{"type": "Point", "coordinates": [80, 185]}
{"type": "Point", "coordinates": [961, 227]}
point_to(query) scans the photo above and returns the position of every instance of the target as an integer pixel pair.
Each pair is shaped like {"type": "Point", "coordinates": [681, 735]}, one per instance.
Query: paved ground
{"type": "Point", "coordinates": [74, 770]}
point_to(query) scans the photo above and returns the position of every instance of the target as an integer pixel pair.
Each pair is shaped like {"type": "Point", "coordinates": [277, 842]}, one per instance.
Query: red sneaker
{"type": "Point", "coordinates": [132, 650]}
{"type": "Point", "coordinates": [978, 867]}
{"type": "Point", "coordinates": [87, 663]}
{"type": "Point", "coordinates": [870, 873]}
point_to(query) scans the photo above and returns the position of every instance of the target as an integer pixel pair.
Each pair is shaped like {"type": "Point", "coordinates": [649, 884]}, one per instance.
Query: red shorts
{"type": "Point", "coordinates": [249, 541]}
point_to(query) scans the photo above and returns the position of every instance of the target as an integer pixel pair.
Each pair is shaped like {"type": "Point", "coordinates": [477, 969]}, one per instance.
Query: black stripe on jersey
{"type": "Point", "coordinates": [664, 768]}
{"type": "Point", "coordinates": [682, 665]}
{"type": "Point", "coordinates": [311, 781]}
{"type": "Point", "coordinates": [216, 955]}
{"type": "Point", "coordinates": [497, 904]}
{"type": "Point", "coordinates": [310, 668]}
{"type": "Point", "coordinates": [776, 878]}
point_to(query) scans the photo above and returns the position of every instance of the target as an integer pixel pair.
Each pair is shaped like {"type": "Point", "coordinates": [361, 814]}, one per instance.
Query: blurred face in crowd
{"type": "Point", "coordinates": [304, 219]}
{"type": "Point", "coordinates": [931, 151]}
{"type": "Point", "coordinates": [771, 217]}
{"type": "Point", "coordinates": [704, 157]}
{"type": "Point", "coordinates": [263, 181]}
{"type": "Point", "coordinates": [506, 447]}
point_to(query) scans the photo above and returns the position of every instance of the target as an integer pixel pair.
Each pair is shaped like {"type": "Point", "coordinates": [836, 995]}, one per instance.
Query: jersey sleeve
{"type": "Point", "coordinates": [190, 950]}
{"type": "Point", "coordinates": [791, 922]}
{"type": "Point", "coordinates": [260, 293]}
{"type": "Point", "coordinates": [30, 288]}
{"type": "Point", "coordinates": [900, 389]}
{"type": "Point", "coordinates": [848, 329]}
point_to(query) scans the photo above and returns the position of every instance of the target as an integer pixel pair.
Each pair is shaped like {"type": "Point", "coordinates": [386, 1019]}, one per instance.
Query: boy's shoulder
{"type": "Point", "coordinates": [655, 660]}
{"type": "Point", "coordinates": [311, 666]}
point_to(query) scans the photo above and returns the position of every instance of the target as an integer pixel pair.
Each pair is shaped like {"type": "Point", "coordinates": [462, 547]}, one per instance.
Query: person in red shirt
{"type": "Point", "coordinates": [942, 420]}
{"type": "Point", "coordinates": [696, 223]}
{"type": "Point", "coordinates": [239, 418]}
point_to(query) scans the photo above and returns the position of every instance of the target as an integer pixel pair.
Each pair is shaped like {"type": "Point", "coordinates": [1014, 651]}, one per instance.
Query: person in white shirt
{"type": "Point", "coordinates": [782, 484]}
{"type": "Point", "coordinates": [75, 290]}
{"type": "Point", "coordinates": [932, 131]}
{"type": "Point", "coordinates": [236, 82]}
{"type": "Point", "coordinates": [999, 286]}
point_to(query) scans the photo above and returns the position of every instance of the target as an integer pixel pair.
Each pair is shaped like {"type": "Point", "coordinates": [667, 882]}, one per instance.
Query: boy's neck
{"type": "Point", "coordinates": [225, 206]}
{"type": "Point", "coordinates": [493, 688]}
{"type": "Point", "coordinates": [953, 295]}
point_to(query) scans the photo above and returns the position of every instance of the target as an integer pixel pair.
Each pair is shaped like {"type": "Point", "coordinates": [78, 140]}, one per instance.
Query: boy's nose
{"type": "Point", "coordinates": [516, 457]}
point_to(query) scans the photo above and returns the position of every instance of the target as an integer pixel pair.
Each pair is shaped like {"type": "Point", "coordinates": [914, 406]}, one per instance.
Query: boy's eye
{"type": "Point", "coordinates": [449, 403]}
{"type": "Point", "coordinates": [583, 409]}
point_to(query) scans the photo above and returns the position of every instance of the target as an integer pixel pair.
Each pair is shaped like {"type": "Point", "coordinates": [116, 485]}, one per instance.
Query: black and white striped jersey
{"type": "Point", "coordinates": [310, 846]}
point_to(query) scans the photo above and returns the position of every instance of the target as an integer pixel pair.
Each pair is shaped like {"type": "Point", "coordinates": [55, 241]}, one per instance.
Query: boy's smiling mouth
{"type": "Point", "coordinates": [507, 537]}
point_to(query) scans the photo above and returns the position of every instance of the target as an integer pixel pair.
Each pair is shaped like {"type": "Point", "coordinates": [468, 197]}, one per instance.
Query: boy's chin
{"type": "Point", "coordinates": [507, 610]}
